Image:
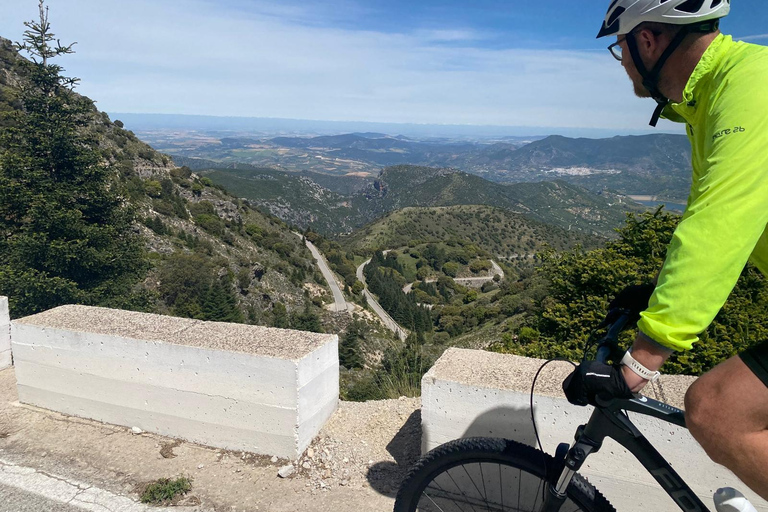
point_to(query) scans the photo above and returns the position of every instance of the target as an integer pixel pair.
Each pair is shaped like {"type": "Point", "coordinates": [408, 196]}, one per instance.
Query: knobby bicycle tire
{"type": "Point", "coordinates": [461, 476]}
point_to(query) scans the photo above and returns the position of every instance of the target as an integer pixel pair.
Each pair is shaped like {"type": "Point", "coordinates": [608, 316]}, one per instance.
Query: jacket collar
{"type": "Point", "coordinates": [684, 111]}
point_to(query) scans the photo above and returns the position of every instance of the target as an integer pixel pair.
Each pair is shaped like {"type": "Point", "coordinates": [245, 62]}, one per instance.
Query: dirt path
{"type": "Point", "coordinates": [355, 464]}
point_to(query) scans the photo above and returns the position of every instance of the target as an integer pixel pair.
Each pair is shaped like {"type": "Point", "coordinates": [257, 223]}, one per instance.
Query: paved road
{"type": "Point", "coordinates": [25, 489]}
{"type": "Point", "coordinates": [13, 499]}
{"type": "Point", "coordinates": [388, 321]}
{"type": "Point", "coordinates": [496, 270]}
{"type": "Point", "coordinates": [339, 303]}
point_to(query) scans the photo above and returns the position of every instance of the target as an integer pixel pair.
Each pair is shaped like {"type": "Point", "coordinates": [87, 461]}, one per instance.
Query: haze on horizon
{"type": "Point", "coordinates": [532, 64]}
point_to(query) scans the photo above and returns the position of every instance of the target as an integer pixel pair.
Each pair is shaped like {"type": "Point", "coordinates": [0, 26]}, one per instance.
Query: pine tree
{"type": "Point", "coordinates": [65, 233]}
{"type": "Point", "coordinates": [349, 348]}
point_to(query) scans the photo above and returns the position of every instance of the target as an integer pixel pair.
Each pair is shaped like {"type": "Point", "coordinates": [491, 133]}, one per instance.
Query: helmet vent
{"type": "Point", "coordinates": [691, 6]}
{"type": "Point", "coordinates": [615, 16]}
{"type": "Point", "coordinates": [715, 3]}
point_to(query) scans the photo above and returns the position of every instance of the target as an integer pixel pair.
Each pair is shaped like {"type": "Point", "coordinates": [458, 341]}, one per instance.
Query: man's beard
{"type": "Point", "coordinates": [641, 91]}
{"type": "Point", "coordinates": [637, 84]}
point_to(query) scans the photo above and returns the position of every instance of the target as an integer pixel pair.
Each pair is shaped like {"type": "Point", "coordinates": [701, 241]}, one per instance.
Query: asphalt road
{"type": "Point", "coordinates": [339, 302]}
{"type": "Point", "coordinates": [388, 321]}
{"type": "Point", "coordinates": [13, 499]}
{"type": "Point", "coordinates": [25, 489]}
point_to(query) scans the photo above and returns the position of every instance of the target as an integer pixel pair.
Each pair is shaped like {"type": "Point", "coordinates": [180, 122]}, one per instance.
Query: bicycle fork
{"type": "Point", "coordinates": [568, 462]}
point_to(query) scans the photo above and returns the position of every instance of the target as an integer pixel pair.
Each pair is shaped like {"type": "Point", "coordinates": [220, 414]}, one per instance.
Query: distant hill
{"type": "Point", "coordinates": [648, 165]}
{"type": "Point", "coordinates": [381, 151]}
{"type": "Point", "coordinates": [500, 232]}
{"type": "Point", "coordinates": [302, 201]}
{"type": "Point", "coordinates": [657, 164]}
{"type": "Point", "coordinates": [557, 203]}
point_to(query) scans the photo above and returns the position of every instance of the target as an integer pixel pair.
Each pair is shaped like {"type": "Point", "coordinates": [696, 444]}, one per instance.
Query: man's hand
{"type": "Point", "coordinates": [592, 379]}
{"type": "Point", "coordinates": [633, 299]}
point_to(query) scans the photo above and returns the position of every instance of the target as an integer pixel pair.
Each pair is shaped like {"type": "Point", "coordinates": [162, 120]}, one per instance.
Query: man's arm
{"type": "Point", "coordinates": [649, 354]}
{"type": "Point", "coordinates": [725, 218]}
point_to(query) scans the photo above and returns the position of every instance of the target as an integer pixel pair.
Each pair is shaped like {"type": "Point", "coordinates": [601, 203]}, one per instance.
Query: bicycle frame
{"type": "Point", "coordinates": [610, 420]}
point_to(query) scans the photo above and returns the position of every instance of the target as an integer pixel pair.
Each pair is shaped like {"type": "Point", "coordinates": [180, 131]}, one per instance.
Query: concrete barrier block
{"type": "Point", "coordinates": [5, 334]}
{"type": "Point", "coordinates": [232, 386]}
{"type": "Point", "coordinates": [471, 393]}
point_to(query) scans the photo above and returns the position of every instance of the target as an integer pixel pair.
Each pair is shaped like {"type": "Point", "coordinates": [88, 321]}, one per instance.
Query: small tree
{"type": "Point", "coordinates": [65, 233]}
{"type": "Point", "coordinates": [349, 349]}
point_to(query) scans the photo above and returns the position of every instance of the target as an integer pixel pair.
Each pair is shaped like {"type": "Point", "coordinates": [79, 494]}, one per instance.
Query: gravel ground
{"type": "Point", "coordinates": [365, 444]}
{"type": "Point", "coordinates": [356, 463]}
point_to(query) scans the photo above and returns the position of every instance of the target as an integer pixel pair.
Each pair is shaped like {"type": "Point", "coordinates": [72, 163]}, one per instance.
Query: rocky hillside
{"type": "Point", "coordinates": [557, 203]}
{"type": "Point", "coordinates": [353, 203]}
{"type": "Point", "coordinates": [214, 256]}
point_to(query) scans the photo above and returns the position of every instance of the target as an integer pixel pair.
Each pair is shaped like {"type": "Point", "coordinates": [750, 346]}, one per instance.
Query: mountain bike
{"type": "Point", "coordinates": [492, 474]}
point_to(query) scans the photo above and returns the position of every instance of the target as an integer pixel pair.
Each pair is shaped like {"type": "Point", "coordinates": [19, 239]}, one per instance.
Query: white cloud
{"type": "Point", "coordinates": [756, 37]}
{"type": "Point", "coordinates": [268, 59]}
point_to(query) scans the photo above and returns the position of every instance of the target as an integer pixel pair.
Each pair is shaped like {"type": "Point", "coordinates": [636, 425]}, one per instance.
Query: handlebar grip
{"type": "Point", "coordinates": [602, 353]}
{"type": "Point", "coordinates": [611, 338]}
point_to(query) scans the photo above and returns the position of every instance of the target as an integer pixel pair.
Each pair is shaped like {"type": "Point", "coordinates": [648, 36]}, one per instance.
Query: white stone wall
{"type": "Point", "coordinates": [227, 399]}
{"type": "Point", "coordinates": [475, 393]}
{"type": "Point", "coordinates": [5, 334]}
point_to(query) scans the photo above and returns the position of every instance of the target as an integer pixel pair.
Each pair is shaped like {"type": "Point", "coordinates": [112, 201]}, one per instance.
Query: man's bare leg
{"type": "Point", "coordinates": [726, 411]}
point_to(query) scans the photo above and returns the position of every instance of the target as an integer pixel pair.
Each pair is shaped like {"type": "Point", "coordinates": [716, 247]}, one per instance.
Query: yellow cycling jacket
{"type": "Point", "coordinates": [725, 107]}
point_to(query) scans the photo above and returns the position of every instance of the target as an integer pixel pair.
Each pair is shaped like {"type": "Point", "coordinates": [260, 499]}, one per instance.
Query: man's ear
{"type": "Point", "coordinates": [649, 43]}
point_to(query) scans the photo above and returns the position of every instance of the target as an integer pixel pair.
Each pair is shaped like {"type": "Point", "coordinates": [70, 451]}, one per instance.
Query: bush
{"type": "Point", "coordinates": [153, 188]}
{"type": "Point", "coordinates": [181, 172]}
{"type": "Point", "coordinates": [451, 269]}
{"type": "Point", "coordinates": [357, 287]}
{"type": "Point", "coordinates": [210, 223]}
{"type": "Point", "coordinates": [164, 490]}
{"type": "Point", "coordinates": [478, 266]}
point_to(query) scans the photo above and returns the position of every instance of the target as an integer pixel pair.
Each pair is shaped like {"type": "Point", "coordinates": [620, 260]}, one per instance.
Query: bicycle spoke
{"type": "Point", "coordinates": [538, 492]}
{"type": "Point", "coordinates": [485, 492]}
{"type": "Point", "coordinates": [445, 496]}
{"type": "Point", "coordinates": [439, 508]}
{"type": "Point", "coordinates": [501, 488]}
{"type": "Point", "coordinates": [482, 495]}
{"type": "Point", "coordinates": [459, 488]}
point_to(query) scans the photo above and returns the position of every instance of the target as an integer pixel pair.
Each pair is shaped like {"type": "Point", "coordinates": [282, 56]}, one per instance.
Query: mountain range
{"type": "Point", "coordinates": [300, 200]}
{"type": "Point", "coordinates": [654, 165]}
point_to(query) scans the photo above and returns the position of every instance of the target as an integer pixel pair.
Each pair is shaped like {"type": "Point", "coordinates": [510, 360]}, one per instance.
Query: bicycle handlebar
{"type": "Point", "coordinates": [610, 340]}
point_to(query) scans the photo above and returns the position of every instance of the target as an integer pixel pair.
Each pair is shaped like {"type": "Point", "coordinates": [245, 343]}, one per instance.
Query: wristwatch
{"type": "Point", "coordinates": [638, 368]}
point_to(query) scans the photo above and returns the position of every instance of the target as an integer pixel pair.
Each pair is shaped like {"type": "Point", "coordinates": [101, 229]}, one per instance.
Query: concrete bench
{"type": "Point", "coordinates": [231, 386]}
{"type": "Point", "coordinates": [476, 393]}
{"type": "Point", "coordinates": [5, 334]}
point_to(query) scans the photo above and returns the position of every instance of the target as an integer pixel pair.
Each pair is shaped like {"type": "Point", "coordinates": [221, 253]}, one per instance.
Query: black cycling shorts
{"type": "Point", "coordinates": [756, 358]}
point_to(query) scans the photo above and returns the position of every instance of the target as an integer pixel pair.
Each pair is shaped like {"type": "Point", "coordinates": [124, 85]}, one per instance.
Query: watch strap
{"type": "Point", "coordinates": [638, 368]}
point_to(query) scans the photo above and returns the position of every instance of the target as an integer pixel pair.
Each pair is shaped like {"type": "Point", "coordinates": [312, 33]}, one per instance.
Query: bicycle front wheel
{"type": "Point", "coordinates": [489, 474]}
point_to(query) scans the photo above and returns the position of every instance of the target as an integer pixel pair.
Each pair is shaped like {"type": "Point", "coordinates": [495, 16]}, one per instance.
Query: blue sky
{"type": "Point", "coordinates": [485, 62]}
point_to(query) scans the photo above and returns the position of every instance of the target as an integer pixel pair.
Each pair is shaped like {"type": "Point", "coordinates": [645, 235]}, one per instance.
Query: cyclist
{"type": "Point", "coordinates": [673, 52]}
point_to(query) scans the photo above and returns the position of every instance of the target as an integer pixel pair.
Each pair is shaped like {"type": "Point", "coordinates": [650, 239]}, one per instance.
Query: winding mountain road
{"type": "Point", "coordinates": [339, 302]}
{"type": "Point", "coordinates": [387, 320]}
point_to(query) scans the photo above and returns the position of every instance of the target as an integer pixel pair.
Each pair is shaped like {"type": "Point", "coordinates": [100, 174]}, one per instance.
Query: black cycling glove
{"type": "Point", "coordinates": [591, 379]}
{"type": "Point", "coordinates": [633, 299]}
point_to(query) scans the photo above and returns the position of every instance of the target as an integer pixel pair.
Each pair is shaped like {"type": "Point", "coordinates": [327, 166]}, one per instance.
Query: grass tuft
{"type": "Point", "coordinates": [164, 490]}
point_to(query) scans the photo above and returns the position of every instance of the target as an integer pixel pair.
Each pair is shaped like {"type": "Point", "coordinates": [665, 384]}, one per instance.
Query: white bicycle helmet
{"type": "Point", "coordinates": [624, 15]}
